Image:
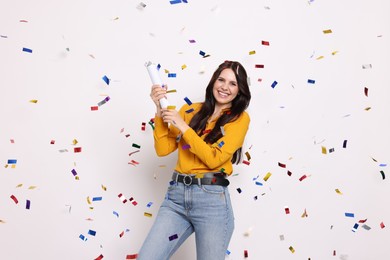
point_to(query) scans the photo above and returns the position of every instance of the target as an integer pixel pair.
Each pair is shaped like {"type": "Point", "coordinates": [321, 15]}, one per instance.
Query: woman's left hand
{"type": "Point", "coordinates": [173, 117]}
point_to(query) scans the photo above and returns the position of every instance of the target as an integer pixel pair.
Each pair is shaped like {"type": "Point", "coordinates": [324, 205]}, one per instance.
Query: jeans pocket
{"type": "Point", "coordinates": [214, 189]}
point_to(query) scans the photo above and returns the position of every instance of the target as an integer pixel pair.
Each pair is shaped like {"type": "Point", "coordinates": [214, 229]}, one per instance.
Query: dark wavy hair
{"type": "Point", "coordinates": [238, 106]}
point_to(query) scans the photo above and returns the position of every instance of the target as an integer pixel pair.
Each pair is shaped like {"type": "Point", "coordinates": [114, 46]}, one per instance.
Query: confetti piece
{"type": "Point", "coordinates": [27, 50]}
{"type": "Point", "coordinates": [281, 237]}
{"type": "Point", "coordinates": [74, 172]}
{"type": "Point", "coordinates": [106, 79]}
{"type": "Point", "coordinates": [146, 214]}
{"type": "Point", "coordinates": [192, 41]}
{"type": "Point", "coordinates": [259, 66]}
{"type": "Point", "coordinates": [366, 227]}
{"type": "Point", "coordinates": [124, 200]}
{"type": "Point", "coordinates": [92, 232]}
{"type": "Point", "coordinates": [366, 92]}
{"type": "Point", "coordinates": [100, 257]}
{"type": "Point", "coordinates": [188, 101]}
{"type": "Point", "coordinates": [245, 253]}
{"type": "Point", "coordinates": [302, 177]}
{"type": "Point", "coordinates": [134, 256]}
{"type": "Point", "coordinates": [281, 165]}
{"type": "Point", "coordinates": [355, 227]}
{"type": "Point", "coordinates": [141, 6]}
{"type": "Point", "coordinates": [289, 173]}
{"type": "Point", "coordinates": [12, 161]}
{"type": "Point", "coordinates": [104, 187]}
{"type": "Point", "coordinates": [311, 81]}
{"type": "Point", "coordinates": [89, 200]}
{"type": "Point", "coordinates": [266, 43]}
{"type": "Point", "coordinates": [291, 249]}
{"type": "Point", "coordinates": [239, 190]}
{"type": "Point", "coordinates": [171, 75]}
{"type": "Point", "coordinates": [116, 214]}
{"type": "Point", "coordinates": [97, 198]}
{"type": "Point", "coordinates": [267, 176]}
{"type": "Point", "coordinates": [28, 203]}
{"type": "Point", "coordinates": [221, 144]}
{"type": "Point", "coordinates": [245, 162]}
{"type": "Point", "coordinates": [172, 91]}
{"type": "Point", "coordinates": [171, 107]}
{"type": "Point", "coordinates": [362, 221]}
{"type": "Point", "coordinates": [287, 210]}
{"type": "Point", "coordinates": [103, 101]}
{"type": "Point", "coordinates": [382, 225]}
{"type": "Point", "coordinates": [345, 144]}
{"type": "Point", "coordinates": [202, 53]}
{"type": "Point", "coordinates": [94, 108]}
{"type": "Point", "coordinates": [327, 31]}
{"type": "Point", "coordinates": [324, 150]}
{"type": "Point", "coordinates": [186, 147]}
{"type": "Point", "coordinates": [183, 66]}
{"type": "Point", "coordinates": [252, 52]}
{"type": "Point", "coordinates": [334, 52]}
{"type": "Point", "coordinates": [367, 66]}
{"type": "Point", "coordinates": [338, 192]}
{"type": "Point", "coordinates": [132, 162]}
{"type": "Point", "coordinates": [175, 2]}
{"type": "Point", "coordinates": [320, 57]}
{"type": "Point", "coordinates": [82, 237]}
{"type": "Point", "coordinates": [383, 175]}
{"type": "Point", "coordinates": [34, 101]}
{"type": "Point", "coordinates": [258, 183]}
{"type": "Point", "coordinates": [304, 214]}
{"type": "Point", "coordinates": [350, 215]}
{"type": "Point", "coordinates": [136, 145]}
{"type": "Point", "coordinates": [274, 84]}
{"type": "Point", "coordinates": [14, 199]}
{"type": "Point", "coordinates": [173, 237]}
{"type": "Point", "coordinates": [77, 149]}
{"type": "Point", "coordinates": [248, 156]}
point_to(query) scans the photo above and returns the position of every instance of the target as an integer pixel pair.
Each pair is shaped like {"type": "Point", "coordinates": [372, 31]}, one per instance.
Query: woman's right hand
{"type": "Point", "coordinates": [157, 93]}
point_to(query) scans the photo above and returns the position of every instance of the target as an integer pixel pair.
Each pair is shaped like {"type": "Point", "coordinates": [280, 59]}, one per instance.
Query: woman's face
{"type": "Point", "coordinates": [225, 88]}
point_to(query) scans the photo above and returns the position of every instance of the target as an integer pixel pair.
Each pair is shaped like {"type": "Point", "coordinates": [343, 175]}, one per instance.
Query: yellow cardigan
{"type": "Point", "coordinates": [195, 156]}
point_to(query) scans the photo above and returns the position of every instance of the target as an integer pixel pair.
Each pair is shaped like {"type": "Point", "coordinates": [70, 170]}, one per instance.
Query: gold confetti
{"type": "Point", "coordinates": [183, 66]}
{"type": "Point", "coordinates": [34, 101]}
{"type": "Point", "coordinates": [104, 187]}
{"type": "Point", "coordinates": [32, 187]}
{"type": "Point", "coordinates": [75, 142]}
{"type": "Point", "coordinates": [267, 176]}
{"type": "Point", "coordinates": [320, 57]}
{"type": "Point", "coordinates": [19, 185]}
{"type": "Point", "coordinates": [324, 151]}
{"type": "Point", "coordinates": [338, 191]}
{"type": "Point", "coordinates": [171, 91]}
{"type": "Point", "coordinates": [146, 214]}
{"type": "Point", "coordinates": [252, 52]}
{"type": "Point", "coordinates": [89, 200]}
{"type": "Point", "coordinates": [327, 31]}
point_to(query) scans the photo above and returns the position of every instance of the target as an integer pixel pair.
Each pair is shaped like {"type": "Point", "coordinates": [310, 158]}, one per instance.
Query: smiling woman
{"type": "Point", "coordinates": [208, 137]}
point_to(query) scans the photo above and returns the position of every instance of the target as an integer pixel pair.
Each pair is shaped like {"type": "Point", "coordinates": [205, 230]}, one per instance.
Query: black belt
{"type": "Point", "coordinates": [189, 180]}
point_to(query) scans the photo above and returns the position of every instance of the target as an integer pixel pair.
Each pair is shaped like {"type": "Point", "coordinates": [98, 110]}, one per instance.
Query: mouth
{"type": "Point", "coordinates": [222, 94]}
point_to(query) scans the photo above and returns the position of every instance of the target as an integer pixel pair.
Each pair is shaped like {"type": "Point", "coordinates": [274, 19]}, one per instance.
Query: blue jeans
{"type": "Point", "coordinates": [201, 209]}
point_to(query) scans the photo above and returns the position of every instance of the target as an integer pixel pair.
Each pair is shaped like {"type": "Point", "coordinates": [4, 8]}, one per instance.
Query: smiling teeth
{"type": "Point", "coordinates": [223, 94]}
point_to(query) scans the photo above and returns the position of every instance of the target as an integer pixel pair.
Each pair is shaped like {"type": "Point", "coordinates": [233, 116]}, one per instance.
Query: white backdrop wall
{"type": "Point", "coordinates": [334, 131]}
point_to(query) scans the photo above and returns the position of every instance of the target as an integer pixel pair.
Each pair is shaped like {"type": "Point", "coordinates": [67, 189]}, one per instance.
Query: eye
{"type": "Point", "coordinates": [221, 79]}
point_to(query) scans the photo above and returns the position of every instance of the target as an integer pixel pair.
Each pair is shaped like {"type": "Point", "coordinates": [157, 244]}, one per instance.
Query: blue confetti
{"type": "Point", "coordinates": [221, 144]}
{"type": "Point", "coordinates": [311, 81]}
{"type": "Point", "coordinates": [188, 101]}
{"type": "Point", "coordinates": [27, 50]}
{"type": "Point", "coordinates": [91, 232]}
{"type": "Point", "coordinates": [351, 215]}
{"type": "Point", "coordinates": [115, 213]}
{"type": "Point", "coordinates": [106, 79]}
{"type": "Point", "coordinates": [82, 237]}
{"type": "Point", "coordinates": [97, 198]}
{"type": "Point", "coordinates": [12, 161]}
{"type": "Point", "coordinates": [274, 84]}
{"type": "Point", "coordinates": [202, 53]}
{"type": "Point", "coordinates": [190, 110]}
{"type": "Point", "coordinates": [171, 75]}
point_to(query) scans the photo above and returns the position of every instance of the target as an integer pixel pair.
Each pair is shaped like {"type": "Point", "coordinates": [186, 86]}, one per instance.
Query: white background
{"type": "Point", "coordinates": [75, 43]}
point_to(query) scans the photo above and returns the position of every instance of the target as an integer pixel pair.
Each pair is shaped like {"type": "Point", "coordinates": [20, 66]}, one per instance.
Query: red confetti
{"type": "Point", "coordinates": [302, 178]}
{"type": "Point", "coordinates": [246, 162]}
{"type": "Point", "coordinates": [366, 92]}
{"type": "Point", "coordinates": [266, 43]}
{"type": "Point", "coordinates": [382, 225]}
{"type": "Point", "coordinates": [77, 149]}
{"type": "Point", "coordinates": [99, 257]}
{"type": "Point", "coordinates": [94, 108]}
{"type": "Point", "coordinates": [52, 142]}
{"type": "Point", "coordinates": [259, 66]}
{"type": "Point", "coordinates": [134, 256]}
{"type": "Point", "coordinates": [143, 126]}
{"type": "Point", "coordinates": [362, 221]}
{"type": "Point", "coordinates": [287, 210]}
{"type": "Point", "coordinates": [246, 253]}
{"type": "Point", "coordinates": [14, 199]}
{"type": "Point", "coordinates": [289, 173]}
{"type": "Point", "coordinates": [282, 165]}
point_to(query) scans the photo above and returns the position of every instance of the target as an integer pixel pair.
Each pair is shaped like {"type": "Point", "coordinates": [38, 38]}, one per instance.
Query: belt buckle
{"type": "Point", "coordinates": [185, 180]}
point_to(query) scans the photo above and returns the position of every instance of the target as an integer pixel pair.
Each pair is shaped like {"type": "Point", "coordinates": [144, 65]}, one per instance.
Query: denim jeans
{"type": "Point", "coordinates": [201, 209]}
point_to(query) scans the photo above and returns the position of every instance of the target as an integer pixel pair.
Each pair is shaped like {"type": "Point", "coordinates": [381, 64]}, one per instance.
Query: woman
{"type": "Point", "coordinates": [208, 137]}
